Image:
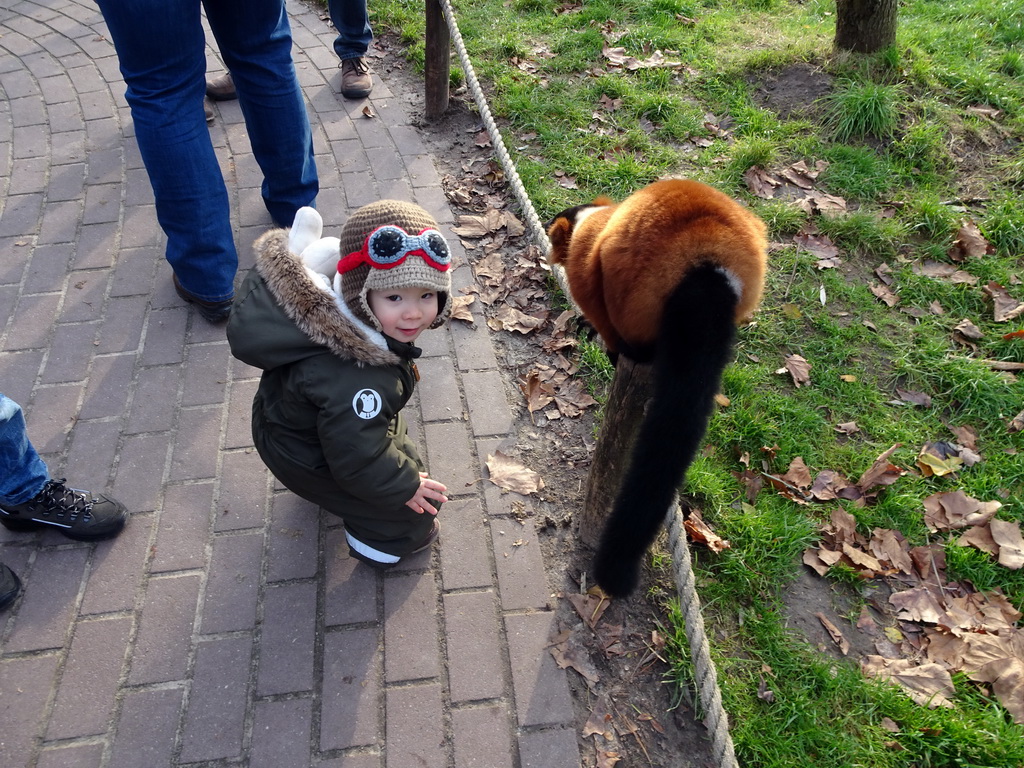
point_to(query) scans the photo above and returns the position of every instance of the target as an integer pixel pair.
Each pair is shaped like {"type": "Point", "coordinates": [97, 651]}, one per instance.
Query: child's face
{"type": "Point", "coordinates": [404, 313]}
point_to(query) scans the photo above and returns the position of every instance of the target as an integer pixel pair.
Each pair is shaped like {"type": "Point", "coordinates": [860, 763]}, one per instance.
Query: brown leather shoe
{"type": "Point", "coordinates": [221, 88]}
{"type": "Point", "coordinates": [208, 110]}
{"type": "Point", "coordinates": [355, 79]}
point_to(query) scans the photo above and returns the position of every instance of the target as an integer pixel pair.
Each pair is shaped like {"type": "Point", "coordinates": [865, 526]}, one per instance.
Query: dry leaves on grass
{"type": "Point", "coordinates": [1004, 306]}
{"type": "Point", "coordinates": [940, 627]}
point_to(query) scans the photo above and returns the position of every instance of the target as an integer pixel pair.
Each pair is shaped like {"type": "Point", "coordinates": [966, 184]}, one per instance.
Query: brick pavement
{"type": "Point", "coordinates": [227, 625]}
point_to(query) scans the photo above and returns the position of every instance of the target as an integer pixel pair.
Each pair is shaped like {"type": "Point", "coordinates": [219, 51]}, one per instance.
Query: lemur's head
{"type": "Point", "coordinates": [560, 229]}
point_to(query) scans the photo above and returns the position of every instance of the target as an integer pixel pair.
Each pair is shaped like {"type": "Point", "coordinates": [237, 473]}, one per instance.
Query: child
{"type": "Point", "coordinates": [335, 342]}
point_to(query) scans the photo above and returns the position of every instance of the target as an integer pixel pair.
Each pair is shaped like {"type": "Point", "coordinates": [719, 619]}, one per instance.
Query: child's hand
{"type": "Point", "coordinates": [429, 489]}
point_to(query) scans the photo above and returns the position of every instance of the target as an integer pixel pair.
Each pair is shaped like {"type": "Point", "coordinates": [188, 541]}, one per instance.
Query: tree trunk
{"type": "Point", "coordinates": [437, 64]}
{"type": "Point", "coordinates": [865, 26]}
{"type": "Point", "coordinates": [629, 395]}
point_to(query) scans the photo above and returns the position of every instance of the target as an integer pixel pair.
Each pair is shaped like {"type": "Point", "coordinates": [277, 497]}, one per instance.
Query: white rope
{"type": "Point", "coordinates": [715, 719]}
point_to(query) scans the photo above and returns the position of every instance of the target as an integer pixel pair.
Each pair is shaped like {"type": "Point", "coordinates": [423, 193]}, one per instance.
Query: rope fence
{"type": "Point", "coordinates": [716, 719]}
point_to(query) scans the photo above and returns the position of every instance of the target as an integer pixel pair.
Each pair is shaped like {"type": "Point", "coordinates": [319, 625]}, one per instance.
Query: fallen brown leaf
{"type": "Point", "coordinates": [509, 474]}
{"type": "Point", "coordinates": [1005, 307]}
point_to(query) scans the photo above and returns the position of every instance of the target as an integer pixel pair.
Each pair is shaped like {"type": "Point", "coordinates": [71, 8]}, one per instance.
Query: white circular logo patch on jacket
{"type": "Point", "coordinates": [366, 403]}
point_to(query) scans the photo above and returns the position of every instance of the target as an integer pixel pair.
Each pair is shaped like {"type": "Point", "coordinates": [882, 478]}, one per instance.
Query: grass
{"type": "Point", "coordinates": [917, 139]}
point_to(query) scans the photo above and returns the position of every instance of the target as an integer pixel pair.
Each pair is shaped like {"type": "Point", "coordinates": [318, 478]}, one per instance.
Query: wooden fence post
{"type": "Point", "coordinates": [437, 64]}
{"type": "Point", "coordinates": [628, 397]}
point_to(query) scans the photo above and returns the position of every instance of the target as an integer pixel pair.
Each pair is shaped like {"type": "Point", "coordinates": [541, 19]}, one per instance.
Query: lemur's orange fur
{"type": "Point", "coordinates": [622, 261]}
{"type": "Point", "coordinates": [664, 276]}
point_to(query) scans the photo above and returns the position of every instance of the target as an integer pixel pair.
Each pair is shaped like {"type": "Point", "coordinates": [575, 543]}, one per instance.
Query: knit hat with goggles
{"type": "Point", "coordinates": [392, 244]}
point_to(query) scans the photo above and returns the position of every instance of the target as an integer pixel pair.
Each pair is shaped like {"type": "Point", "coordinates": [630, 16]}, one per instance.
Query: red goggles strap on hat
{"type": "Point", "coordinates": [388, 246]}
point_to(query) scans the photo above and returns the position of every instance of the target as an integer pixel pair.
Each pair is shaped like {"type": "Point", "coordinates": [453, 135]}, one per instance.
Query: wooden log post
{"type": "Point", "coordinates": [627, 399]}
{"type": "Point", "coordinates": [437, 64]}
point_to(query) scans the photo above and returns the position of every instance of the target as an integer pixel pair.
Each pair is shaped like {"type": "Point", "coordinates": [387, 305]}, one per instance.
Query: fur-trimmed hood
{"type": "Point", "coordinates": [287, 310]}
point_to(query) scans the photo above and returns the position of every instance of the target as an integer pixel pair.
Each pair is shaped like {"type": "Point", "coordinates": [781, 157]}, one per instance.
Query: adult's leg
{"type": "Point", "coordinates": [22, 473]}
{"type": "Point", "coordinates": [161, 51]}
{"type": "Point", "coordinates": [255, 40]}
{"type": "Point", "coordinates": [352, 21]}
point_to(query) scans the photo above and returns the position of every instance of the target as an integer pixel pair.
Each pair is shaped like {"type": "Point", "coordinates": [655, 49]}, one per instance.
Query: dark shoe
{"type": "Point", "coordinates": [209, 112]}
{"type": "Point", "coordinates": [10, 586]}
{"type": "Point", "coordinates": [221, 88]}
{"type": "Point", "coordinates": [430, 538]}
{"type": "Point", "coordinates": [212, 311]}
{"type": "Point", "coordinates": [77, 514]}
{"type": "Point", "coordinates": [355, 79]}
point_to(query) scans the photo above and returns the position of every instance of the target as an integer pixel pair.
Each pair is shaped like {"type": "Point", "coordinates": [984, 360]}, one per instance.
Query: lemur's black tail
{"type": "Point", "coordinates": [693, 348]}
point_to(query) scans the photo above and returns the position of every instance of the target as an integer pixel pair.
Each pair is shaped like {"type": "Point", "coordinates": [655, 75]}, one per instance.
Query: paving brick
{"type": "Point", "coordinates": [473, 347]}
{"type": "Point", "coordinates": [48, 261]}
{"type": "Point", "coordinates": [489, 412]}
{"type": "Point", "coordinates": [215, 720]}
{"type": "Point", "coordinates": [350, 588]}
{"type": "Point", "coordinates": [165, 630]}
{"type": "Point", "coordinates": [419, 740]}
{"type": "Point", "coordinates": [541, 690]}
{"type": "Point", "coordinates": [549, 749]}
{"type": "Point", "coordinates": [522, 579]}
{"type": "Point", "coordinates": [140, 471]}
{"type": "Point", "coordinates": [362, 760]}
{"type": "Point", "coordinates": [449, 458]}
{"type": "Point", "coordinates": [410, 634]}
{"type": "Point", "coordinates": [71, 351]}
{"type": "Point", "coordinates": [184, 521]}
{"type": "Point", "coordinates": [205, 375]}
{"type": "Point", "coordinates": [80, 756]}
{"type": "Point", "coordinates": [88, 685]}
{"type": "Point", "coordinates": [293, 538]}
{"type": "Point", "coordinates": [482, 737]}
{"type": "Point", "coordinates": [95, 246]}
{"type": "Point", "coordinates": [473, 643]}
{"type": "Point", "coordinates": [21, 213]}
{"type": "Point", "coordinates": [26, 684]}
{"type": "Point", "coordinates": [20, 370]}
{"type": "Point", "coordinates": [165, 337]}
{"type": "Point", "coordinates": [30, 328]}
{"type": "Point", "coordinates": [51, 417]}
{"type": "Point", "coordinates": [117, 568]}
{"type": "Point", "coordinates": [465, 553]}
{"type": "Point", "coordinates": [238, 433]}
{"type": "Point", "coordinates": [48, 602]}
{"type": "Point", "coordinates": [438, 389]}
{"type": "Point", "coordinates": [60, 221]}
{"type": "Point", "coordinates": [349, 714]}
{"type": "Point", "coordinates": [281, 734]}
{"type": "Point", "coordinates": [288, 639]}
{"type": "Point", "coordinates": [83, 296]}
{"type": "Point", "coordinates": [109, 381]}
{"type": "Point", "coordinates": [140, 229]}
{"type": "Point", "coordinates": [133, 273]}
{"type": "Point", "coordinates": [232, 585]}
{"type": "Point", "coordinates": [195, 450]}
{"type": "Point", "coordinates": [242, 496]}
{"type": "Point", "coordinates": [147, 728]}
{"type": "Point", "coordinates": [122, 325]}
{"type": "Point", "coordinates": [154, 403]}
{"type": "Point", "coordinates": [91, 454]}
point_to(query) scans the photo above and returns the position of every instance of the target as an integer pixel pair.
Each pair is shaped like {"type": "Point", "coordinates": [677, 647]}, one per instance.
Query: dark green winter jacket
{"type": "Point", "coordinates": [326, 416]}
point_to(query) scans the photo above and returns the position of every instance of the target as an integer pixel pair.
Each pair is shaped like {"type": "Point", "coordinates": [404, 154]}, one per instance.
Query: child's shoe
{"type": "Point", "coordinates": [382, 565]}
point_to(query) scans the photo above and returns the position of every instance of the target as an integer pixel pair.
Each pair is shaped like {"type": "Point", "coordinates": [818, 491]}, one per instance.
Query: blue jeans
{"type": "Point", "coordinates": [161, 51]}
{"type": "Point", "coordinates": [22, 473]}
{"type": "Point", "coordinates": [351, 20]}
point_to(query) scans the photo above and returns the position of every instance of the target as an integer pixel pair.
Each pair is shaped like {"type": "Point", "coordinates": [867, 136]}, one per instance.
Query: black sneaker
{"type": "Point", "coordinates": [77, 514]}
{"type": "Point", "coordinates": [427, 541]}
{"type": "Point", "coordinates": [10, 586]}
